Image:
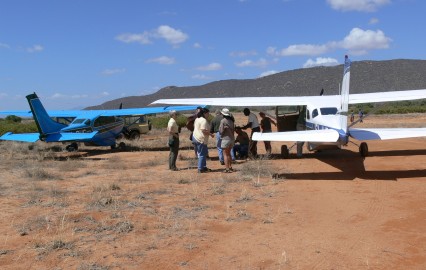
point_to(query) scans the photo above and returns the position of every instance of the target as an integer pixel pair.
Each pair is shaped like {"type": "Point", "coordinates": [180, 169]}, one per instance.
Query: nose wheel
{"type": "Point", "coordinates": [72, 147]}
{"type": "Point", "coordinates": [363, 149]}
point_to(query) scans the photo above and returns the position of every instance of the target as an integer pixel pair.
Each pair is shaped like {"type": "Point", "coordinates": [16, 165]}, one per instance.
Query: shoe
{"type": "Point", "coordinates": [222, 162]}
{"type": "Point", "coordinates": [201, 171]}
{"type": "Point", "coordinates": [205, 169]}
{"type": "Point", "coordinates": [232, 170]}
{"type": "Point", "coordinates": [174, 169]}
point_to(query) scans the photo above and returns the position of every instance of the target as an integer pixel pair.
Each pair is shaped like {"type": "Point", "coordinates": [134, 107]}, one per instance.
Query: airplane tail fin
{"type": "Point", "coordinates": [344, 95]}
{"type": "Point", "coordinates": [43, 121]}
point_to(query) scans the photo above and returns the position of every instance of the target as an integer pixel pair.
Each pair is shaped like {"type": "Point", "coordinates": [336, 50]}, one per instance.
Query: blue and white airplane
{"type": "Point", "coordinates": [326, 116]}
{"type": "Point", "coordinates": [92, 127]}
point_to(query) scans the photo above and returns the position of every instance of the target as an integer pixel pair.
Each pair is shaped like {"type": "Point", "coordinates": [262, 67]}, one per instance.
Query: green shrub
{"type": "Point", "coordinates": [16, 127]}
{"type": "Point", "coordinates": [13, 118]}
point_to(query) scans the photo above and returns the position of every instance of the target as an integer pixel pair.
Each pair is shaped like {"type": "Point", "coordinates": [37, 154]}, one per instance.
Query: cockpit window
{"type": "Point", "coordinates": [314, 113]}
{"type": "Point", "coordinates": [328, 111]}
{"type": "Point", "coordinates": [78, 121]}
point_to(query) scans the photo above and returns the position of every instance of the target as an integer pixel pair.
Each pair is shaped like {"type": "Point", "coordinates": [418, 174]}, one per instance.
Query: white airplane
{"type": "Point", "coordinates": [326, 116]}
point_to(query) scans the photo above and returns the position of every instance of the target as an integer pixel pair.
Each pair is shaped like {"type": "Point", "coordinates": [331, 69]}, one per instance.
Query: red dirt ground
{"type": "Point", "coordinates": [125, 210]}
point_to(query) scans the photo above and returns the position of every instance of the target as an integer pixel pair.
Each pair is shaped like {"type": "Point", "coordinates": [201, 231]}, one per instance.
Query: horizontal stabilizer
{"type": "Point", "coordinates": [323, 135]}
{"type": "Point", "coordinates": [386, 133]}
{"type": "Point", "coordinates": [70, 136]}
{"type": "Point", "coordinates": [22, 137]}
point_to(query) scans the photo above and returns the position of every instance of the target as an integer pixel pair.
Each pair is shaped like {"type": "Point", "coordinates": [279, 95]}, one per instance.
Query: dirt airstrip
{"type": "Point", "coordinates": [104, 209]}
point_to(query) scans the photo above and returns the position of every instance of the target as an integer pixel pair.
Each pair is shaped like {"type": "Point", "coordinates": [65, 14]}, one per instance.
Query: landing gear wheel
{"type": "Point", "coordinates": [72, 147]}
{"type": "Point", "coordinates": [122, 145]}
{"type": "Point", "coordinates": [363, 149]}
{"type": "Point", "coordinates": [134, 135]}
{"type": "Point", "coordinates": [284, 151]}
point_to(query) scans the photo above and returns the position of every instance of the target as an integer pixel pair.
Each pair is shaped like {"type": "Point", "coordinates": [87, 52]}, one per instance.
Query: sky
{"type": "Point", "coordinates": [80, 53]}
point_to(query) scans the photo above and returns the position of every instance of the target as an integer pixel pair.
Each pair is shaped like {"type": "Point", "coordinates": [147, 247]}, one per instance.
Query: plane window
{"type": "Point", "coordinates": [87, 122]}
{"type": "Point", "coordinates": [308, 115]}
{"type": "Point", "coordinates": [78, 121]}
{"type": "Point", "coordinates": [104, 120]}
{"type": "Point", "coordinates": [314, 113]}
{"type": "Point", "coordinates": [328, 111]}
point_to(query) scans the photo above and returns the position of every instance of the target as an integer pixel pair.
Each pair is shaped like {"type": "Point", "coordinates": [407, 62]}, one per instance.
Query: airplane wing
{"type": "Point", "coordinates": [115, 112]}
{"type": "Point", "coordinates": [57, 137]}
{"type": "Point", "coordinates": [22, 137]}
{"type": "Point", "coordinates": [323, 135]}
{"type": "Point", "coordinates": [148, 110]}
{"type": "Point", "coordinates": [300, 100]}
{"type": "Point", "coordinates": [70, 136]}
{"type": "Point", "coordinates": [244, 101]}
{"type": "Point", "coordinates": [387, 96]}
{"type": "Point", "coordinates": [386, 133]}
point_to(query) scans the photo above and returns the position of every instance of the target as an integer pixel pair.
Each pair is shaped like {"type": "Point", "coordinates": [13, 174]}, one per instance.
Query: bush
{"type": "Point", "coordinates": [13, 118]}
{"type": "Point", "coordinates": [15, 127]}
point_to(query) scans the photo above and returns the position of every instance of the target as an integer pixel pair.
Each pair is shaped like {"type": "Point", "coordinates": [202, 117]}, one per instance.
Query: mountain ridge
{"type": "Point", "coordinates": [366, 76]}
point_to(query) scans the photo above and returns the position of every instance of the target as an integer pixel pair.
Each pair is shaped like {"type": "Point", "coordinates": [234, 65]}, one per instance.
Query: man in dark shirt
{"type": "Point", "coordinates": [241, 144]}
{"type": "Point", "coordinates": [265, 124]}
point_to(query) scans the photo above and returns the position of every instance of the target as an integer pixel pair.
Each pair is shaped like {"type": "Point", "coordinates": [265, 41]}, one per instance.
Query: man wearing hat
{"type": "Point", "coordinates": [214, 130]}
{"type": "Point", "coordinates": [226, 130]}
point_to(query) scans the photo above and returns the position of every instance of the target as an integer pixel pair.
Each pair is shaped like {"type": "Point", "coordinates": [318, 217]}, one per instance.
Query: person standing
{"type": "Point", "coordinates": [301, 125]}
{"type": "Point", "coordinates": [266, 125]}
{"type": "Point", "coordinates": [200, 137]}
{"type": "Point", "coordinates": [173, 130]}
{"type": "Point", "coordinates": [214, 130]}
{"type": "Point", "coordinates": [226, 130]}
{"type": "Point", "coordinates": [252, 123]}
{"type": "Point", "coordinates": [361, 115]}
{"type": "Point", "coordinates": [190, 126]}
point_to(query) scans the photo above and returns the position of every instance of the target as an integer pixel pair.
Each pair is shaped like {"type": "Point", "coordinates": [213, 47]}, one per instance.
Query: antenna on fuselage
{"type": "Point", "coordinates": [322, 92]}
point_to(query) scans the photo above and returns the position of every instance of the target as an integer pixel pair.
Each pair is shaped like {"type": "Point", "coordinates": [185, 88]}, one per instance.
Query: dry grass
{"type": "Point", "coordinates": [113, 210]}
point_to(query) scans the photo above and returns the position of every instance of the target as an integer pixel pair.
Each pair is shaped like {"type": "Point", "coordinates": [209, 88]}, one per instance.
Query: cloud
{"type": "Point", "coordinates": [267, 73]}
{"type": "Point", "coordinates": [162, 60]}
{"type": "Point", "coordinates": [171, 35]}
{"type": "Point", "coordinates": [299, 49]}
{"type": "Point", "coordinates": [110, 72]}
{"type": "Point", "coordinates": [210, 67]}
{"type": "Point", "coordinates": [197, 45]}
{"type": "Point", "coordinates": [320, 61]}
{"type": "Point", "coordinates": [358, 41]}
{"type": "Point", "coordinates": [35, 48]}
{"type": "Point", "coordinates": [373, 21]}
{"type": "Point", "coordinates": [142, 38]}
{"type": "Point", "coordinates": [200, 77]}
{"type": "Point", "coordinates": [261, 63]}
{"type": "Point", "coordinates": [64, 96]}
{"type": "Point", "coordinates": [357, 5]}
{"type": "Point", "coordinates": [4, 45]}
{"type": "Point", "coordinates": [243, 53]}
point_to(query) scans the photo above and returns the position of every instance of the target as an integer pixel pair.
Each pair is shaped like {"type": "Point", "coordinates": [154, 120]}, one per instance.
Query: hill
{"type": "Point", "coordinates": [366, 76]}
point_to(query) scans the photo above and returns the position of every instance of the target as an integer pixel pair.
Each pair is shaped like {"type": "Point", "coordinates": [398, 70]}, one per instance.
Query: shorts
{"type": "Point", "coordinates": [226, 143]}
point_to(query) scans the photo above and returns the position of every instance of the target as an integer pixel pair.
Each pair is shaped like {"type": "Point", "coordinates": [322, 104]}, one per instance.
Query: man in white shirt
{"type": "Point", "coordinates": [252, 123]}
{"type": "Point", "coordinates": [200, 138]}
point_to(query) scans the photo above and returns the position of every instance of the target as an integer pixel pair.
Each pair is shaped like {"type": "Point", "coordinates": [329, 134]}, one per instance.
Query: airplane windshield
{"type": "Point", "coordinates": [78, 121]}
{"type": "Point", "coordinates": [328, 111]}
